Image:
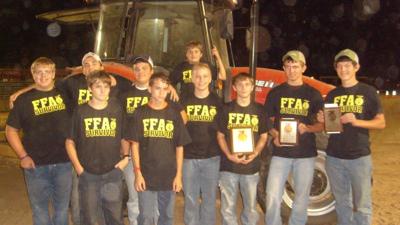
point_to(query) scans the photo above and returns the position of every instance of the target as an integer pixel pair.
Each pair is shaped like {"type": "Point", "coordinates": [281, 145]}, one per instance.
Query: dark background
{"type": "Point", "coordinates": [319, 28]}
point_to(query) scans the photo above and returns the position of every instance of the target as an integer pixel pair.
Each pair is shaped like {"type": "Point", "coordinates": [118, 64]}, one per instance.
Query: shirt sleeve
{"type": "Point", "coordinates": [262, 122]}
{"type": "Point", "coordinates": [269, 110]}
{"type": "Point", "coordinates": [74, 127]}
{"type": "Point", "coordinates": [176, 74]}
{"type": "Point", "coordinates": [132, 128]}
{"type": "Point", "coordinates": [222, 120]}
{"type": "Point", "coordinates": [15, 117]}
{"type": "Point", "coordinates": [183, 137]}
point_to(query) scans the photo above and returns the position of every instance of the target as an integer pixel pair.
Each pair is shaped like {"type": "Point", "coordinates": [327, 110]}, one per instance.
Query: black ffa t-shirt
{"type": "Point", "coordinates": [133, 98]}
{"type": "Point", "coordinates": [202, 126]}
{"type": "Point", "coordinates": [97, 135]}
{"type": "Point", "coordinates": [235, 116]}
{"type": "Point", "coordinates": [158, 133]}
{"type": "Point", "coordinates": [182, 74]}
{"type": "Point", "coordinates": [363, 101]}
{"type": "Point", "coordinates": [41, 115]}
{"type": "Point", "coordinates": [301, 103]}
{"type": "Point", "coordinates": [75, 87]}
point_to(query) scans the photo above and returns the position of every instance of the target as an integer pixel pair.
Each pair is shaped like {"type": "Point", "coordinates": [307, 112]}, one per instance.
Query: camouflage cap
{"type": "Point", "coordinates": [349, 54]}
{"type": "Point", "coordinates": [295, 55]}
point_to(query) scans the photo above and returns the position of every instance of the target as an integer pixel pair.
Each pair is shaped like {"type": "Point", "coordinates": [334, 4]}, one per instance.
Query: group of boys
{"type": "Point", "coordinates": [161, 147]}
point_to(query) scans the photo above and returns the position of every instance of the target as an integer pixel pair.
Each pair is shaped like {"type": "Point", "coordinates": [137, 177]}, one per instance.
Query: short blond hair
{"type": "Point", "coordinates": [42, 61]}
{"type": "Point", "coordinates": [201, 66]}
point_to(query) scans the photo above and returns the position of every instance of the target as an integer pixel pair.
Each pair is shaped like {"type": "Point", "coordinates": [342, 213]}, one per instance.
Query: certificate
{"type": "Point", "coordinates": [242, 140]}
{"type": "Point", "coordinates": [332, 119]}
{"type": "Point", "coordinates": [288, 131]}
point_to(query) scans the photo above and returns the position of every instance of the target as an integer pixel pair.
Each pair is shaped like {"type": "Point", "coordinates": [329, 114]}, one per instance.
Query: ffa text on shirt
{"type": "Point", "coordinates": [350, 103]}
{"type": "Point", "coordinates": [133, 102]}
{"type": "Point", "coordinates": [243, 120]}
{"type": "Point", "coordinates": [187, 76]}
{"type": "Point", "coordinates": [100, 127]}
{"type": "Point", "coordinates": [294, 106]}
{"type": "Point", "coordinates": [202, 113]}
{"type": "Point", "coordinates": [84, 96]}
{"type": "Point", "coordinates": [48, 105]}
{"type": "Point", "coordinates": [159, 128]}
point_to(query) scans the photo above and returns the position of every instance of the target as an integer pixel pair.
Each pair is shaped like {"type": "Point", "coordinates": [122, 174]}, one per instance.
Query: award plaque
{"type": "Point", "coordinates": [288, 131]}
{"type": "Point", "coordinates": [332, 119]}
{"type": "Point", "coordinates": [242, 140]}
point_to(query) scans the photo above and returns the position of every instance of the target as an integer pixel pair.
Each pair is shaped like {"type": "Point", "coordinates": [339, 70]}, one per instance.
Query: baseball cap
{"type": "Point", "coordinates": [93, 55]}
{"type": "Point", "coordinates": [295, 55]}
{"type": "Point", "coordinates": [143, 58]}
{"type": "Point", "coordinates": [349, 54]}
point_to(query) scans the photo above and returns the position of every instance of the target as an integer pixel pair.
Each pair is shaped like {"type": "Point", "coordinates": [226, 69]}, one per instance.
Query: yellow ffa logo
{"type": "Point", "coordinates": [294, 106]}
{"type": "Point", "coordinates": [133, 102]}
{"type": "Point", "coordinates": [100, 126]}
{"type": "Point", "coordinates": [187, 76]}
{"type": "Point", "coordinates": [359, 100]}
{"type": "Point", "coordinates": [306, 105]}
{"type": "Point", "coordinates": [169, 126]}
{"type": "Point", "coordinates": [213, 111]}
{"type": "Point", "coordinates": [202, 113]}
{"type": "Point", "coordinates": [254, 120]}
{"type": "Point", "coordinates": [48, 105]}
{"type": "Point", "coordinates": [84, 96]}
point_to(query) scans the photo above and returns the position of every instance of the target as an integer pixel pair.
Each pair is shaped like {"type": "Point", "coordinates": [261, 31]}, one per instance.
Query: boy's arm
{"type": "Point", "coordinates": [16, 144]}
{"type": "Point", "coordinates": [378, 122]}
{"type": "Point", "coordinates": [221, 67]}
{"type": "Point", "coordinates": [140, 184]}
{"type": "Point", "coordinates": [316, 127]}
{"type": "Point", "coordinates": [15, 95]}
{"type": "Point", "coordinates": [224, 147]}
{"type": "Point", "coordinates": [177, 185]}
{"type": "Point", "coordinates": [258, 149]}
{"type": "Point", "coordinates": [73, 156]}
{"type": "Point", "coordinates": [173, 94]}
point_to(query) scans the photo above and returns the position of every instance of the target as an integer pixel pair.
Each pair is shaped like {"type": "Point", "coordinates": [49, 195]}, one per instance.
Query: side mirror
{"type": "Point", "coordinates": [226, 25]}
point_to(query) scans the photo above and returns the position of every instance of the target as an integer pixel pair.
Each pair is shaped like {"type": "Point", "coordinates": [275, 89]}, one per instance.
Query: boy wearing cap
{"type": "Point", "coordinates": [40, 113]}
{"type": "Point", "coordinates": [295, 100]}
{"type": "Point", "coordinates": [238, 172]}
{"type": "Point", "coordinates": [182, 73]}
{"type": "Point", "coordinates": [157, 146]}
{"type": "Point", "coordinates": [94, 147]}
{"type": "Point", "coordinates": [202, 156]}
{"type": "Point", "coordinates": [349, 164]}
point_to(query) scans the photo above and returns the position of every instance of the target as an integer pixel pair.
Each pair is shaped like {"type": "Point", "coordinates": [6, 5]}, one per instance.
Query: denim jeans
{"type": "Point", "coordinates": [74, 207]}
{"type": "Point", "coordinates": [230, 184]}
{"type": "Point", "coordinates": [200, 179]}
{"type": "Point", "coordinates": [49, 183]}
{"type": "Point", "coordinates": [152, 203]}
{"type": "Point", "coordinates": [302, 170]}
{"type": "Point", "coordinates": [133, 202]}
{"type": "Point", "coordinates": [351, 185]}
{"type": "Point", "coordinates": [101, 198]}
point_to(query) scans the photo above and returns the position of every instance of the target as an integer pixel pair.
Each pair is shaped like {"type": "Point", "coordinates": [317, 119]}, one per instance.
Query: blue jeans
{"type": "Point", "coordinates": [351, 185]}
{"type": "Point", "coordinates": [302, 170]}
{"type": "Point", "coordinates": [230, 183]}
{"type": "Point", "coordinates": [152, 201]}
{"type": "Point", "coordinates": [133, 202]}
{"type": "Point", "coordinates": [74, 207]}
{"type": "Point", "coordinates": [101, 198]}
{"type": "Point", "coordinates": [49, 183]}
{"type": "Point", "coordinates": [200, 179]}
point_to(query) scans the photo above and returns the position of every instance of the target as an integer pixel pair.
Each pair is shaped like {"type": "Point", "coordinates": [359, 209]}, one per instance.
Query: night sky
{"type": "Point", "coordinates": [319, 30]}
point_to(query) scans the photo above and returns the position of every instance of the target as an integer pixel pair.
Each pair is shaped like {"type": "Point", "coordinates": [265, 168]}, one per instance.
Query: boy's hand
{"type": "Point", "coordinates": [348, 118]}
{"type": "Point", "coordinates": [140, 184]}
{"type": "Point", "coordinates": [177, 184]}
{"type": "Point", "coordinates": [275, 135]}
{"type": "Point", "coordinates": [320, 116]}
{"type": "Point", "coordinates": [302, 128]}
{"type": "Point", "coordinates": [236, 158]}
{"type": "Point", "coordinates": [122, 163]}
{"type": "Point", "coordinates": [249, 158]}
{"type": "Point", "coordinates": [173, 94]}
{"type": "Point", "coordinates": [214, 52]}
{"type": "Point", "coordinates": [27, 163]}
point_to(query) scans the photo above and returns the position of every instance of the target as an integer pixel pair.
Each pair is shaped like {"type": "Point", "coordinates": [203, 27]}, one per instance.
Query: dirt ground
{"type": "Point", "coordinates": [15, 210]}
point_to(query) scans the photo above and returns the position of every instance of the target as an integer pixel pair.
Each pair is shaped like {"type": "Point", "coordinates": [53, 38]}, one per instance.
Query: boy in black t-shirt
{"type": "Point", "coordinates": [298, 101]}
{"type": "Point", "coordinates": [238, 170]}
{"type": "Point", "coordinates": [94, 146]}
{"type": "Point", "coordinates": [182, 73]}
{"type": "Point", "coordinates": [40, 113]}
{"type": "Point", "coordinates": [202, 156]}
{"type": "Point", "coordinates": [157, 144]}
{"type": "Point", "coordinates": [349, 164]}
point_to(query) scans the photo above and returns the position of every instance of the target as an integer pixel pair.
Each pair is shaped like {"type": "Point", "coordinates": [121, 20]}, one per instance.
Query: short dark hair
{"type": "Point", "coordinates": [242, 76]}
{"type": "Point", "coordinates": [344, 59]}
{"type": "Point", "coordinates": [159, 76]}
{"type": "Point", "coordinates": [194, 44]}
{"type": "Point", "coordinates": [98, 75]}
